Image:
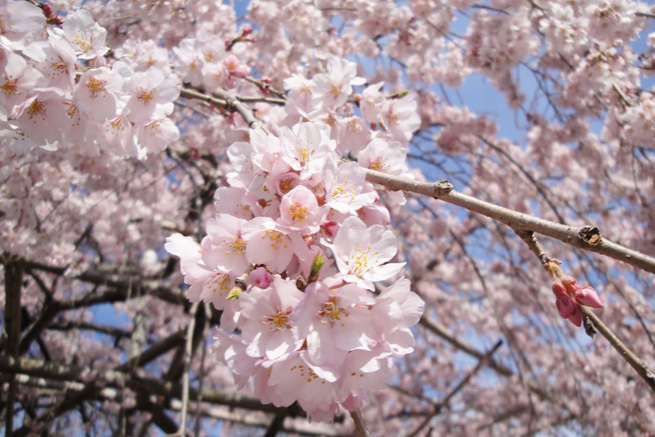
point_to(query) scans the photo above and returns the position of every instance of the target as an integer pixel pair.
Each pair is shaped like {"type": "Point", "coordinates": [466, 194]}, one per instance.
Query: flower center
{"type": "Point", "coordinates": [358, 261]}
{"type": "Point", "coordinates": [36, 108]}
{"type": "Point", "coordinates": [145, 96]}
{"type": "Point", "coordinates": [275, 237]}
{"type": "Point", "coordinates": [96, 87]}
{"type": "Point", "coordinates": [278, 321]}
{"type": "Point", "coordinates": [298, 212]}
{"type": "Point", "coordinates": [9, 88]}
{"type": "Point", "coordinates": [331, 311]}
{"type": "Point", "coordinates": [238, 246]}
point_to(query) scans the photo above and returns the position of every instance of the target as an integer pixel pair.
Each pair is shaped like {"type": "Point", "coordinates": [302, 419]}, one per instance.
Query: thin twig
{"type": "Point", "coordinates": [446, 400]}
{"type": "Point", "coordinates": [626, 353]}
{"type": "Point", "coordinates": [360, 426]}
{"type": "Point", "coordinates": [187, 361]}
{"type": "Point", "coordinates": [443, 332]}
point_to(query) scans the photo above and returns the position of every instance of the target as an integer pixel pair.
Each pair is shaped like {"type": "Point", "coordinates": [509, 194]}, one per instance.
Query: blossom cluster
{"type": "Point", "coordinates": [295, 254]}
{"type": "Point", "coordinates": [57, 91]}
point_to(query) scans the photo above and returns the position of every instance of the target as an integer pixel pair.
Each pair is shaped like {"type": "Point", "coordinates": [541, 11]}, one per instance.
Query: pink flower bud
{"type": "Point", "coordinates": [565, 305]}
{"type": "Point", "coordinates": [246, 30]}
{"type": "Point", "coordinates": [47, 10]}
{"type": "Point", "coordinates": [588, 296]}
{"type": "Point", "coordinates": [260, 277]}
{"type": "Point", "coordinates": [570, 283]}
{"type": "Point", "coordinates": [558, 288]}
{"type": "Point", "coordinates": [576, 316]}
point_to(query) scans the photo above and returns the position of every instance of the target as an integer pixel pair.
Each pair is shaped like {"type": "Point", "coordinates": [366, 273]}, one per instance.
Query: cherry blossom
{"type": "Point", "coordinates": [265, 172]}
{"type": "Point", "coordinates": [85, 35]}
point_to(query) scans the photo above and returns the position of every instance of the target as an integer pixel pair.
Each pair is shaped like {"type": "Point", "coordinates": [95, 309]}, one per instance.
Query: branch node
{"type": "Point", "coordinates": [590, 235]}
{"type": "Point", "coordinates": [589, 327]}
{"type": "Point", "coordinates": [442, 187]}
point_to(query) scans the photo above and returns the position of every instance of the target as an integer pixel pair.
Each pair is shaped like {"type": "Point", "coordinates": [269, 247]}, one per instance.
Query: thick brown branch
{"type": "Point", "coordinates": [112, 378]}
{"type": "Point", "coordinates": [583, 237]}
{"type": "Point", "coordinates": [13, 283]}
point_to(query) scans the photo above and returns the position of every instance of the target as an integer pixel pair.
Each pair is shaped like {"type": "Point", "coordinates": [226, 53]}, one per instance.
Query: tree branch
{"type": "Point", "coordinates": [629, 356]}
{"type": "Point", "coordinates": [360, 426]}
{"type": "Point", "coordinates": [583, 237]}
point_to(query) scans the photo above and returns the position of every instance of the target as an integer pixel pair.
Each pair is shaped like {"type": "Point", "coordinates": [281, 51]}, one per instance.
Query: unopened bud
{"type": "Point", "coordinates": [565, 306]}
{"type": "Point", "coordinates": [576, 316]}
{"type": "Point", "coordinates": [317, 265]}
{"type": "Point", "coordinates": [234, 294]}
{"type": "Point", "coordinates": [588, 296]}
{"type": "Point", "coordinates": [47, 10]}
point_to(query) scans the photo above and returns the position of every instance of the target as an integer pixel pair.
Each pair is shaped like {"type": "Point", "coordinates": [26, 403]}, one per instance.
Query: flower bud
{"type": "Point", "coordinates": [569, 282]}
{"type": "Point", "coordinates": [558, 288]}
{"type": "Point", "coordinates": [317, 265]}
{"type": "Point", "coordinates": [588, 296]}
{"type": "Point", "coordinates": [260, 277]}
{"type": "Point", "coordinates": [576, 316]}
{"type": "Point", "coordinates": [565, 305]}
{"type": "Point", "coordinates": [234, 294]}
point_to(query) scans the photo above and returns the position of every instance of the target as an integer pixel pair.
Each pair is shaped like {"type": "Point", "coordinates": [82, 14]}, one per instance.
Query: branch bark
{"type": "Point", "coordinates": [583, 237]}
{"type": "Point", "coordinates": [629, 356]}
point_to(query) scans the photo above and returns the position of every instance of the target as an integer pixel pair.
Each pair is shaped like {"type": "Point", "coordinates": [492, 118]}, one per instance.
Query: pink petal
{"type": "Point", "coordinates": [589, 297]}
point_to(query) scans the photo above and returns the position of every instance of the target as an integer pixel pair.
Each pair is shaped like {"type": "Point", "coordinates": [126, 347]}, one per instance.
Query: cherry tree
{"type": "Point", "coordinates": [423, 217]}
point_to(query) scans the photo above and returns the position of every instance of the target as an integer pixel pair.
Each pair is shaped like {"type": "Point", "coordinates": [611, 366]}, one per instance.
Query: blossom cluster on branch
{"type": "Point", "coordinates": [259, 141]}
{"type": "Point", "coordinates": [297, 245]}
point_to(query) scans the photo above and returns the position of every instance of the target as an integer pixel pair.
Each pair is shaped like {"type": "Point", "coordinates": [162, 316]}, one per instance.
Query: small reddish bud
{"type": "Point", "coordinates": [47, 10]}
{"type": "Point", "coordinates": [260, 277]}
{"type": "Point", "coordinates": [570, 295]}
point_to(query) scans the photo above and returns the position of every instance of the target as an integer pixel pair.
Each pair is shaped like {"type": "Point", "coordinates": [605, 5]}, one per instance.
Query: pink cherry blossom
{"type": "Point", "coordinates": [299, 211]}
{"type": "Point", "coordinates": [400, 118]}
{"type": "Point", "coordinates": [151, 96]}
{"type": "Point", "coordinates": [306, 147]}
{"type": "Point", "coordinates": [269, 328]}
{"type": "Point", "coordinates": [21, 21]}
{"type": "Point", "coordinates": [333, 88]}
{"type": "Point", "coordinates": [96, 93]}
{"type": "Point", "coordinates": [224, 247]}
{"type": "Point", "coordinates": [362, 253]}
{"type": "Point", "coordinates": [268, 244]}
{"type": "Point", "coordinates": [84, 34]}
{"type": "Point", "coordinates": [345, 188]}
